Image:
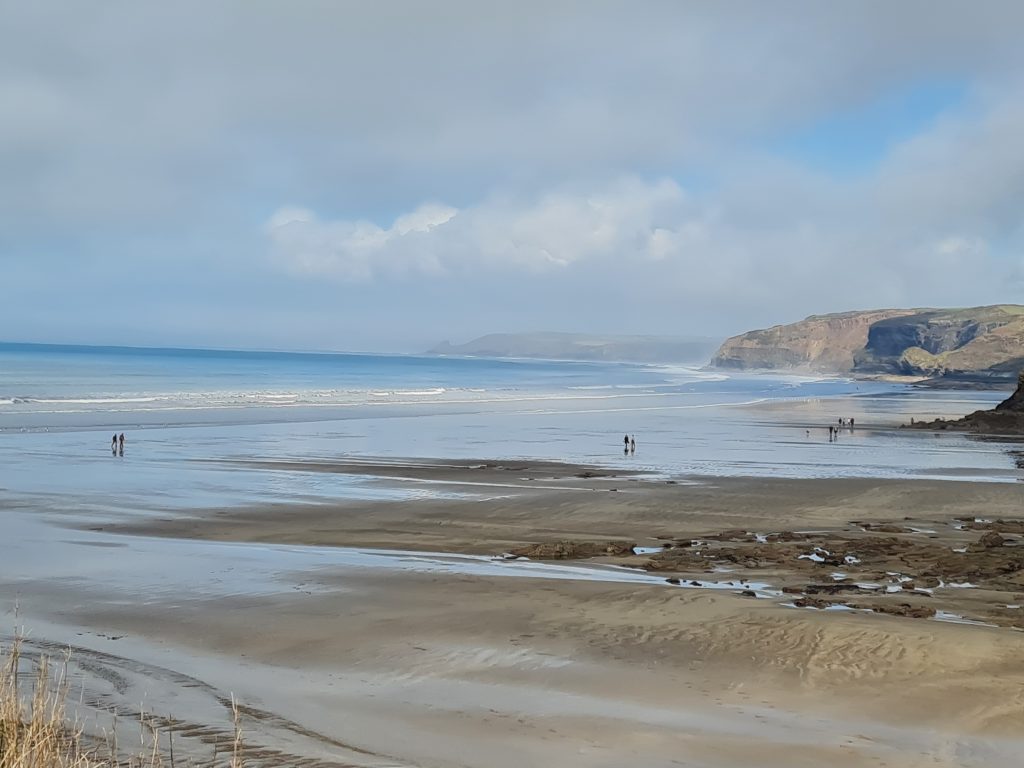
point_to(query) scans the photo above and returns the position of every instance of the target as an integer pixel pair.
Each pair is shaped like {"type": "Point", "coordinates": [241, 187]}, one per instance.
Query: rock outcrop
{"type": "Point", "coordinates": [982, 341]}
{"type": "Point", "coordinates": [1007, 418]}
{"type": "Point", "coordinates": [574, 550]}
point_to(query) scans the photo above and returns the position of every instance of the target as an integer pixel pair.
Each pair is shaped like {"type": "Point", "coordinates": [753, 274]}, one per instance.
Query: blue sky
{"type": "Point", "coordinates": [855, 140]}
{"type": "Point", "coordinates": [342, 175]}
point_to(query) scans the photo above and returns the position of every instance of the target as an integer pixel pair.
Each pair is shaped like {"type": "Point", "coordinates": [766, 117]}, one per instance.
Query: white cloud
{"type": "Point", "coordinates": [770, 242]}
{"type": "Point", "coordinates": [627, 220]}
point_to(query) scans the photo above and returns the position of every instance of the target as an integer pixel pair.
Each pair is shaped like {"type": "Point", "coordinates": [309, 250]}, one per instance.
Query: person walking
{"type": "Point", "coordinates": [632, 444]}
{"type": "Point", "coordinates": [121, 441]}
{"type": "Point", "coordinates": [113, 443]}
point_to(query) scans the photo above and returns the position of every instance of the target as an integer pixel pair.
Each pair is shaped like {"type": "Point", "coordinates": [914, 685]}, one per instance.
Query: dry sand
{"type": "Point", "coordinates": [433, 669]}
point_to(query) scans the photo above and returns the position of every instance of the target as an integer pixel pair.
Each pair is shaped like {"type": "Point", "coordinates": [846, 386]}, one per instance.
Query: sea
{"type": "Point", "coordinates": [187, 413]}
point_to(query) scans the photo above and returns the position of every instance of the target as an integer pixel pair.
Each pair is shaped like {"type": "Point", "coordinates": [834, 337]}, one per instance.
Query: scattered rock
{"type": "Point", "coordinates": [673, 580]}
{"type": "Point", "coordinates": [832, 589]}
{"type": "Point", "coordinates": [991, 540]}
{"type": "Point", "coordinates": [811, 602]}
{"type": "Point", "coordinates": [901, 609]}
{"type": "Point", "coordinates": [574, 550]}
{"type": "Point", "coordinates": [748, 593]}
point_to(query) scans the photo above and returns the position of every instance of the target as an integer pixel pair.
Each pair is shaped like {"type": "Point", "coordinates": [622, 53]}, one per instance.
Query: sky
{"type": "Point", "coordinates": [323, 174]}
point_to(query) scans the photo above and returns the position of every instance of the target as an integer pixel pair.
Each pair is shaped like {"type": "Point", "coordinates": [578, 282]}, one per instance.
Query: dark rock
{"type": "Point", "coordinates": [832, 589]}
{"type": "Point", "coordinates": [903, 609]}
{"type": "Point", "coordinates": [991, 540]}
{"type": "Point", "coordinates": [1014, 402]}
{"type": "Point", "coordinates": [748, 593]}
{"type": "Point", "coordinates": [574, 550]}
{"type": "Point", "coordinates": [673, 581]}
{"type": "Point", "coordinates": [811, 602]}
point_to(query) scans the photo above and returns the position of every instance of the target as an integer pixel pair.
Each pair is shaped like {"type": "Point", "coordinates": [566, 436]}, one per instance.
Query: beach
{"type": "Point", "coordinates": [799, 603]}
{"type": "Point", "coordinates": [393, 633]}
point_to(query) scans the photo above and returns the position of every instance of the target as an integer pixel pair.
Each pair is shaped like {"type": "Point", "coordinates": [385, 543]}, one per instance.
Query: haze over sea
{"type": "Point", "coordinates": [59, 405]}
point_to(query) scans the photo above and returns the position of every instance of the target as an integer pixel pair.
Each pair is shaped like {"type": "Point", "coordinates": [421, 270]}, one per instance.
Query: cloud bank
{"type": "Point", "coordinates": [332, 174]}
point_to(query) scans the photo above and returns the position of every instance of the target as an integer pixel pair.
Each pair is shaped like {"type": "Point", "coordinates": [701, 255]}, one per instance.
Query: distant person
{"type": "Point", "coordinates": [851, 422]}
{"type": "Point", "coordinates": [632, 444]}
{"type": "Point", "coordinates": [113, 443]}
{"type": "Point", "coordinates": [120, 440]}
{"type": "Point", "coordinates": [808, 433]}
{"type": "Point", "coordinates": [625, 442]}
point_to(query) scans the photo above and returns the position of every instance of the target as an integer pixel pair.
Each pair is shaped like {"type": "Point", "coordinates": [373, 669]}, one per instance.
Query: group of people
{"type": "Point", "coordinates": [833, 431]}
{"type": "Point", "coordinates": [117, 444]}
{"type": "Point", "coordinates": [629, 443]}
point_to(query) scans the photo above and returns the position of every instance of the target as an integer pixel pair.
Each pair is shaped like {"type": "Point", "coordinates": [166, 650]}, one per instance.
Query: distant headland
{"type": "Point", "coordinates": [585, 347]}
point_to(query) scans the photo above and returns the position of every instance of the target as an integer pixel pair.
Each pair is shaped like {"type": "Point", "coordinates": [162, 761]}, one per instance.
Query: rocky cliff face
{"type": "Point", "coordinates": [921, 342]}
{"type": "Point", "coordinates": [823, 343]}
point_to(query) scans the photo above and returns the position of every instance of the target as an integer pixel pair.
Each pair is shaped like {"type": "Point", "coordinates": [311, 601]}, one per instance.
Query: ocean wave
{"type": "Point", "coordinates": [77, 400]}
{"type": "Point", "coordinates": [410, 392]}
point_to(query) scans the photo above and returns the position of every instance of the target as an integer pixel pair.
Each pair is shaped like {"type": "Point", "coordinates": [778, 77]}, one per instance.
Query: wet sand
{"type": "Point", "coordinates": [497, 505]}
{"type": "Point", "coordinates": [449, 661]}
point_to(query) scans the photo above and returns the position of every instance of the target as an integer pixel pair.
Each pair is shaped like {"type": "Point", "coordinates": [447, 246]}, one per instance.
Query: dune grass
{"type": "Point", "coordinates": [37, 730]}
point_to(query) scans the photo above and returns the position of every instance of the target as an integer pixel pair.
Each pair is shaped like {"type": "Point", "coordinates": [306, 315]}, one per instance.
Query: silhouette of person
{"type": "Point", "coordinates": [113, 443]}
{"type": "Point", "coordinates": [632, 445]}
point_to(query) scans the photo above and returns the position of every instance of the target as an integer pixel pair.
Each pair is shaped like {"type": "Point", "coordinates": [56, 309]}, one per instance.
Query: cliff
{"type": "Point", "coordinates": [980, 342]}
{"type": "Point", "coordinates": [574, 346]}
{"type": "Point", "coordinates": [821, 343]}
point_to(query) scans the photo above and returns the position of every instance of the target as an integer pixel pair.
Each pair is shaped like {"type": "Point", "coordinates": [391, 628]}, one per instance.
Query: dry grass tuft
{"type": "Point", "coordinates": [36, 730]}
